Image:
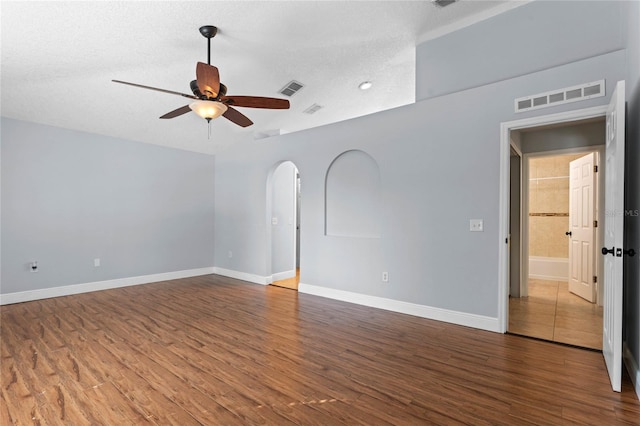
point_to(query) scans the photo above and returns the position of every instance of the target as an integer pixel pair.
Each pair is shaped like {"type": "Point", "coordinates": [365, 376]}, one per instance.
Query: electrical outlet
{"type": "Point", "coordinates": [34, 266]}
{"type": "Point", "coordinates": [230, 254]}
{"type": "Point", "coordinates": [476, 225]}
{"type": "Point", "coordinates": [385, 277]}
{"type": "Point", "coordinates": [96, 262]}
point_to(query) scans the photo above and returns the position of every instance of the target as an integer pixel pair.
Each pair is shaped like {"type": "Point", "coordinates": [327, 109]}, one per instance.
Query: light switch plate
{"type": "Point", "coordinates": [476, 225]}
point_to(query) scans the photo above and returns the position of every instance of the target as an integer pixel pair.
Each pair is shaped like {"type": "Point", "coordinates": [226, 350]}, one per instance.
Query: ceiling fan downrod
{"type": "Point", "coordinates": [209, 32]}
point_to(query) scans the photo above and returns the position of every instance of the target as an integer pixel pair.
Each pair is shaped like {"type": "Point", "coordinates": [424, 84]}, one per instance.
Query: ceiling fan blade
{"type": "Point", "coordinates": [237, 117]}
{"type": "Point", "coordinates": [177, 112]}
{"type": "Point", "coordinates": [156, 89]}
{"type": "Point", "coordinates": [256, 102]}
{"type": "Point", "coordinates": [208, 79]}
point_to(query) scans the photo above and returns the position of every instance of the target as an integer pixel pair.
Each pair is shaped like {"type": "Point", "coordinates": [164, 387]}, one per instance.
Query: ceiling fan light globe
{"type": "Point", "coordinates": [208, 110]}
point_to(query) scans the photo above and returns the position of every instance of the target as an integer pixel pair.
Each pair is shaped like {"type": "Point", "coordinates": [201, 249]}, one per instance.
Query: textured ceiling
{"type": "Point", "coordinates": [58, 60]}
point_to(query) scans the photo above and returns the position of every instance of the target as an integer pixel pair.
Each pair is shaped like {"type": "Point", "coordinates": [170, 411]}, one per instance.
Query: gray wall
{"type": "Point", "coordinates": [534, 37]}
{"type": "Point", "coordinates": [439, 168]}
{"type": "Point", "coordinates": [632, 187]}
{"type": "Point", "coordinates": [70, 197]}
{"type": "Point", "coordinates": [352, 196]}
{"type": "Point", "coordinates": [565, 137]}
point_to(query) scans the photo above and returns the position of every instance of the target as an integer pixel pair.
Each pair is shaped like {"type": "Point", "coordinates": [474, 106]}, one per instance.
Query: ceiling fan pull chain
{"type": "Point", "coordinates": [209, 125]}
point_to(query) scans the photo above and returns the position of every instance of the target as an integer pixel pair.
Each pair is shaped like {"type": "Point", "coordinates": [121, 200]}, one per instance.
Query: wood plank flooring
{"type": "Point", "coordinates": [216, 351]}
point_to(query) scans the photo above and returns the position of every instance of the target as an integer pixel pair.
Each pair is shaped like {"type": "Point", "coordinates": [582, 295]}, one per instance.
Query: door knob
{"type": "Point", "coordinates": [606, 251]}
{"type": "Point", "coordinates": [630, 252]}
{"type": "Point", "coordinates": [568, 233]}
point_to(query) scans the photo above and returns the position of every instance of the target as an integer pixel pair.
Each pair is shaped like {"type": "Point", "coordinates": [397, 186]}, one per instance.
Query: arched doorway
{"type": "Point", "coordinates": [283, 210]}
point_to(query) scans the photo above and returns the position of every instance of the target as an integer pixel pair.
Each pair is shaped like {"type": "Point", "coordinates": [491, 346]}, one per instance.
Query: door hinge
{"type": "Point", "coordinates": [595, 168]}
{"type": "Point", "coordinates": [595, 223]}
{"type": "Point", "coordinates": [595, 279]}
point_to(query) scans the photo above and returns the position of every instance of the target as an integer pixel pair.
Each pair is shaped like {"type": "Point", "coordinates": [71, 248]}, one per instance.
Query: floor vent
{"type": "Point", "coordinates": [291, 88]}
{"type": "Point", "coordinates": [582, 92]}
{"type": "Point", "coordinates": [312, 109]}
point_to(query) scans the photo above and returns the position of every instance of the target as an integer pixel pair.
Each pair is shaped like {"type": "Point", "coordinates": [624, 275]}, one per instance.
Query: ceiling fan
{"type": "Point", "coordinates": [210, 96]}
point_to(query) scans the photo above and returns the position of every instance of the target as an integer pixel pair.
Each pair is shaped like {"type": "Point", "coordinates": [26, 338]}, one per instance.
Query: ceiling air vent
{"type": "Point", "coordinates": [561, 96]}
{"type": "Point", "coordinates": [291, 88]}
{"type": "Point", "coordinates": [266, 134]}
{"type": "Point", "coordinates": [443, 3]}
{"type": "Point", "coordinates": [313, 108]}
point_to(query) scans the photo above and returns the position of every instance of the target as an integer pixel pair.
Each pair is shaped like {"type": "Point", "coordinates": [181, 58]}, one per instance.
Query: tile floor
{"type": "Point", "coordinates": [551, 312]}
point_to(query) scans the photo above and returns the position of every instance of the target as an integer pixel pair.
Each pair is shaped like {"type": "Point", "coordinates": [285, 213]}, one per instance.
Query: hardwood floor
{"type": "Point", "coordinates": [216, 351]}
{"type": "Point", "coordinates": [552, 313]}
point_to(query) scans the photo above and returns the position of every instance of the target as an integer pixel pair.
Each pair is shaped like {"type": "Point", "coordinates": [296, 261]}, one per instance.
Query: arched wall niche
{"type": "Point", "coordinates": [352, 196]}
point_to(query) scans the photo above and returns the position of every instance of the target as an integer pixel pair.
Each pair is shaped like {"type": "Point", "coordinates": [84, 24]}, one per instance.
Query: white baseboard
{"type": "Point", "coordinates": [46, 293]}
{"type": "Point", "coordinates": [283, 275]}
{"type": "Point", "coordinates": [454, 317]}
{"type": "Point", "coordinates": [632, 368]}
{"type": "Point", "coordinates": [252, 278]}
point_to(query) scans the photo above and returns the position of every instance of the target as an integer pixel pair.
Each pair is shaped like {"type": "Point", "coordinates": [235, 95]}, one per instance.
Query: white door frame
{"type": "Point", "coordinates": [505, 142]}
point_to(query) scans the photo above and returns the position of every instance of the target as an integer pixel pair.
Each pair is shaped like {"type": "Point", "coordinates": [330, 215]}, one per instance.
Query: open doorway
{"type": "Point", "coordinates": [554, 256]}
{"type": "Point", "coordinates": [611, 230]}
{"type": "Point", "coordinates": [284, 221]}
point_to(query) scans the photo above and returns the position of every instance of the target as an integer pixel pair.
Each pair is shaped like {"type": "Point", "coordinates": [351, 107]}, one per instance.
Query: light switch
{"type": "Point", "coordinates": [274, 220]}
{"type": "Point", "coordinates": [476, 225]}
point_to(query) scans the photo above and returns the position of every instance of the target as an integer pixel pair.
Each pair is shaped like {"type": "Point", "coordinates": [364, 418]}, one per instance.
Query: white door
{"type": "Point", "coordinates": [582, 209]}
{"type": "Point", "coordinates": [613, 236]}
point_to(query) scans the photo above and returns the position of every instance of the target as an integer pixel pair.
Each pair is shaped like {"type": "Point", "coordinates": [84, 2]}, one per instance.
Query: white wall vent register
{"type": "Point", "coordinates": [582, 92]}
